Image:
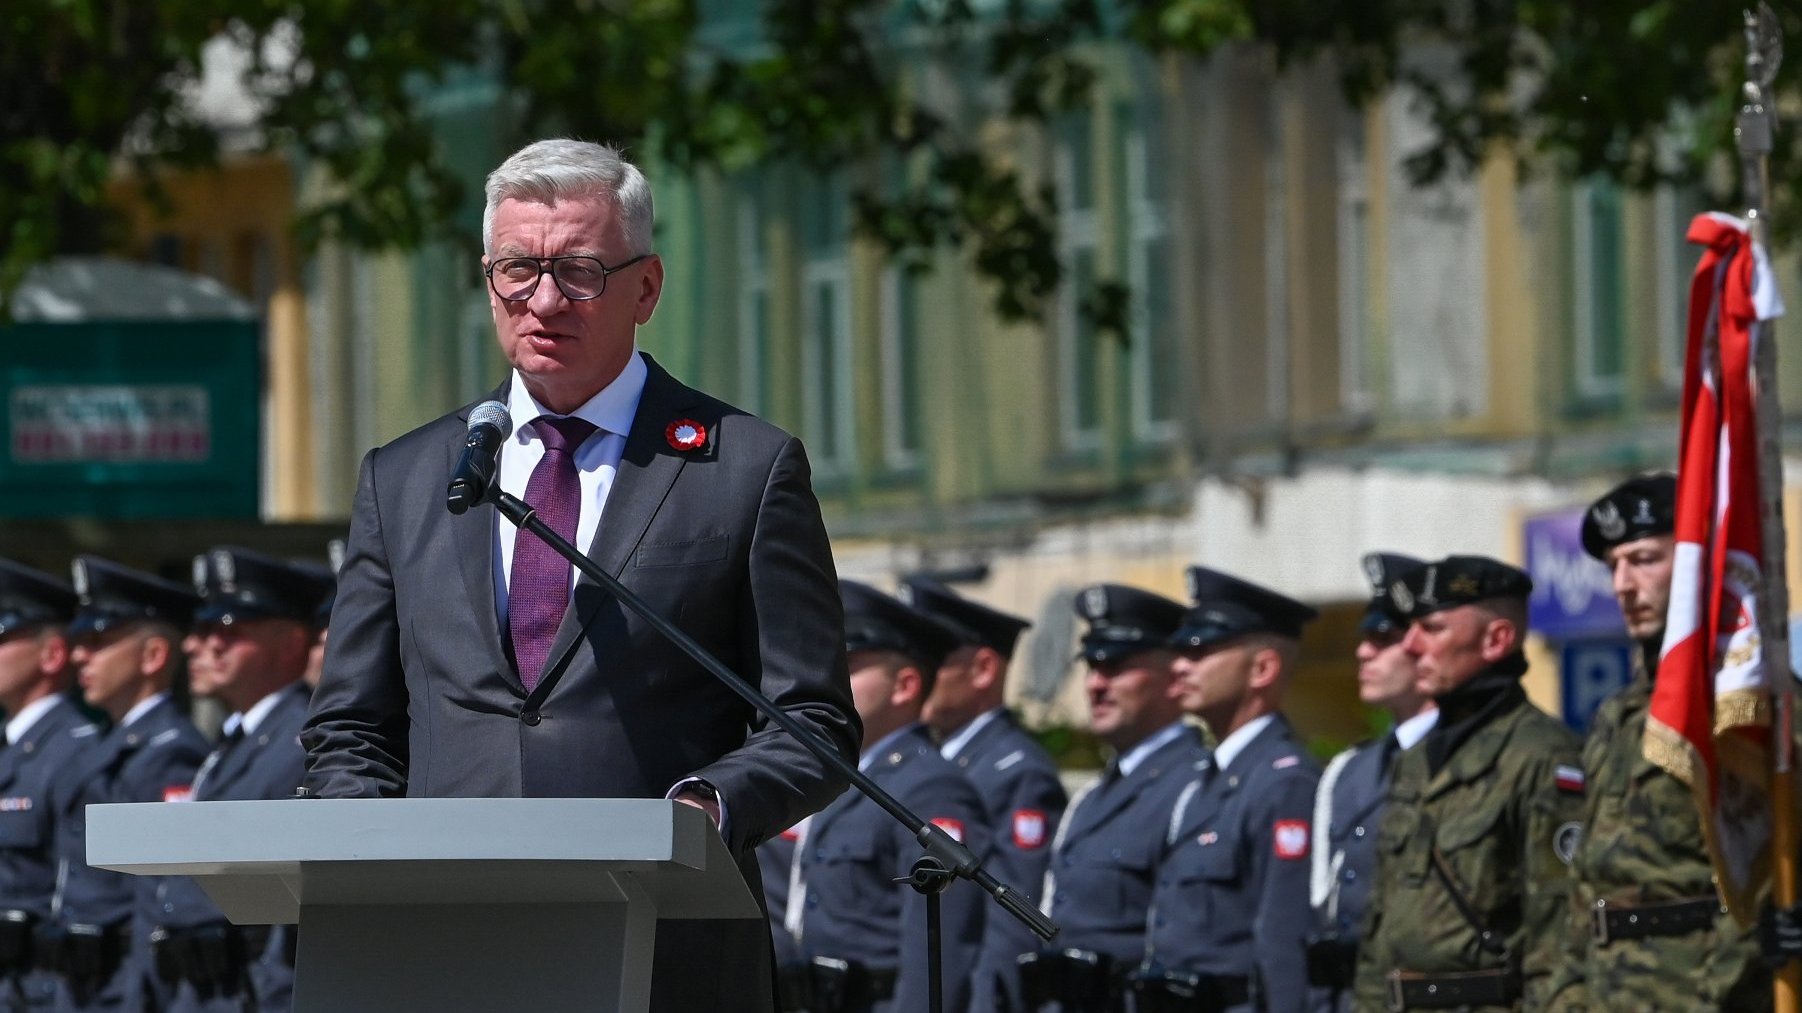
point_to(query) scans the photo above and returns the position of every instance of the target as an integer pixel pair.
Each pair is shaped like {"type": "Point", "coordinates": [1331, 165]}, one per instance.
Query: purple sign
{"type": "Point", "coordinates": [1573, 597]}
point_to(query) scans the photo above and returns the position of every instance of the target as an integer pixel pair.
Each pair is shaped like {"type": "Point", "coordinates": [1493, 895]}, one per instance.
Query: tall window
{"type": "Point", "coordinates": [1674, 260]}
{"type": "Point", "coordinates": [826, 378]}
{"type": "Point", "coordinates": [753, 303]}
{"type": "Point", "coordinates": [1078, 343]}
{"type": "Point", "coordinates": [901, 423]}
{"type": "Point", "coordinates": [1600, 322]}
{"type": "Point", "coordinates": [1156, 361]}
{"type": "Point", "coordinates": [1355, 391]}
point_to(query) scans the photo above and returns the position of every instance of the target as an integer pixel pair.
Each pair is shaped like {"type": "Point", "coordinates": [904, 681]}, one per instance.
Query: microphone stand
{"type": "Point", "coordinates": [945, 857]}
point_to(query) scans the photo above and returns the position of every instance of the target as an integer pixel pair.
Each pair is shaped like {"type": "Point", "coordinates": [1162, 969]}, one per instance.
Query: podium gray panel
{"type": "Point", "coordinates": [444, 904]}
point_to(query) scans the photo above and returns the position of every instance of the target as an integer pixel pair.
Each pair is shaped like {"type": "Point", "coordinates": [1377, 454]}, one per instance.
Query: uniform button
{"type": "Point", "coordinates": [1350, 875]}
{"type": "Point", "coordinates": [531, 717]}
{"type": "Point", "coordinates": [168, 907]}
{"type": "Point", "coordinates": [1115, 853]}
{"type": "Point", "coordinates": [1357, 831]}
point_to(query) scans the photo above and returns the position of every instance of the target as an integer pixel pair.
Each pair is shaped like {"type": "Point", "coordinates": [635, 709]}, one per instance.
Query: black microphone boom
{"type": "Point", "coordinates": [489, 426]}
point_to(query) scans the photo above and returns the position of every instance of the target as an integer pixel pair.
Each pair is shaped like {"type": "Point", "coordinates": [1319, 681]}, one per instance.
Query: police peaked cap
{"type": "Point", "coordinates": [1124, 620]}
{"type": "Point", "coordinates": [1225, 607]}
{"type": "Point", "coordinates": [327, 578]}
{"type": "Point", "coordinates": [876, 622]}
{"type": "Point", "coordinates": [976, 624]}
{"type": "Point", "coordinates": [1641, 507]}
{"type": "Point", "coordinates": [31, 597]}
{"type": "Point", "coordinates": [1383, 569]}
{"type": "Point", "coordinates": [1455, 581]}
{"type": "Point", "coordinates": [112, 595]}
{"type": "Point", "coordinates": [242, 584]}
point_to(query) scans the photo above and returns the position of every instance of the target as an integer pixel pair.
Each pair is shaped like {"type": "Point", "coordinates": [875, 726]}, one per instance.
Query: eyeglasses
{"type": "Point", "coordinates": [578, 278]}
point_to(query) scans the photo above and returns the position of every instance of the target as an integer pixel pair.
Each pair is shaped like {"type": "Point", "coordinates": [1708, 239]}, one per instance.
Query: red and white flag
{"type": "Point", "coordinates": [1710, 717]}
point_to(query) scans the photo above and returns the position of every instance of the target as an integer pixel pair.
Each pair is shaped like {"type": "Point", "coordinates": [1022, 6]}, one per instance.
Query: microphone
{"type": "Point", "coordinates": [489, 426]}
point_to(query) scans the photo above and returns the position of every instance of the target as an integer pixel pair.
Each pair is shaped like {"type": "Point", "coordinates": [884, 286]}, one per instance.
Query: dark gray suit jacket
{"type": "Point", "coordinates": [419, 698]}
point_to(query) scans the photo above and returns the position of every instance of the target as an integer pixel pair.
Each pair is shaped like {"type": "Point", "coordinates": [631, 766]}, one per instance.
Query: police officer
{"type": "Point", "coordinates": [255, 625]}
{"type": "Point", "coordinates": [1651, 932]}
{"type": "Point", "coordinates": [864, 932]}
{"type": "Point", "coordinates": [126, 634]}
{"type": "Point", "coordinates": [1473, 886]}
{"type": "Point", "coordinates": [1229, 914]}
{"type": "Point", "coordinates": [1016, 779]}
{"type": "Point", "coordinates": [45, 737]}
{"type": "Point", "coordinates": [1348, 805]}
{"type": "Point", "coordinates": [1104, 859]}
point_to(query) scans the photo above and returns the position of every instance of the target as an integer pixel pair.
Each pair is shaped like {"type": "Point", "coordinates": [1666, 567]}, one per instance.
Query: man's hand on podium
{"type": "Point", "coordinates": [701, 799]}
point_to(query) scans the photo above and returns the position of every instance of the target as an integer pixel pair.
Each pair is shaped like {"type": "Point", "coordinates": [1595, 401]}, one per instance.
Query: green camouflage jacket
{"type": "Point", "coordinates": [1499, 810]}
{"type": "Point", "coordinates": [1642, 843]}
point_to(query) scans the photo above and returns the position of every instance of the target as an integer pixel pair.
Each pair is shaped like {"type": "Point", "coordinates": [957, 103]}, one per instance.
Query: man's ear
{"type": "Point", "coordinates": [909, 686]}
{"type": "Point", "coordinates": [987, 667]}
{"type": "Point", "coordinates": [153, 654]}
{"type": "Point", "coordinates": [53, 653]}
{"type": "Point", "coordinates": [1500, 639]}
{"type": "Point", "coordinates": [1266, 666]}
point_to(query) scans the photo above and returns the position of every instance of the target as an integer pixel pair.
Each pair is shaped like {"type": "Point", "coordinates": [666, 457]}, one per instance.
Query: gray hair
{"type": "Point", "coordinates": [560, 168]}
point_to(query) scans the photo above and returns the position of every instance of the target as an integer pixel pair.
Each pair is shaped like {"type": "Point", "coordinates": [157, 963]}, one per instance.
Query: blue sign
{"type": "Point", "coordinates": [1591, 671]}
{"type": "Point", "coordinates": [1573, 595]}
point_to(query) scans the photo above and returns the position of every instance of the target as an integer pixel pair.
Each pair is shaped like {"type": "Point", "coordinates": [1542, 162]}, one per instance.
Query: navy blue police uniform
{"type": "Point", "coordinates": [1348, 808]}
{"type": "Point", "coordinates": [1230, 912]}
{"type": "Point", "coordinates": [1105, 855]}
{"type": "Point", "coordinates": [865, 933]}
{"type": "Point", "coordinates": [92, 942]}
{"type": "Point", "coordinates": [1018, 783]}
{"type": "Point", "coordinates": [776, 861]}
{"type": "Point", "coordinates": [44, 741]}
{"type": "Point", "coordinates": [205, 962]}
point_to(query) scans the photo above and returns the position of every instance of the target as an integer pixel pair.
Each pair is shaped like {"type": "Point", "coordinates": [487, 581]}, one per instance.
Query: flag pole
{"type": "Point", "coordinates": [1754, 132]}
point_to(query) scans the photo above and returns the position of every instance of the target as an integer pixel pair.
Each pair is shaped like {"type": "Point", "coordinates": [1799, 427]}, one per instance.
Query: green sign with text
{"type": "Point", "coordinates": [131, 419]}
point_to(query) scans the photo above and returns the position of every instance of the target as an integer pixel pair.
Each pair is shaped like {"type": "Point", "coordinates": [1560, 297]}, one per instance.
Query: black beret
{"type": "Point", "coordinates": [243, 584]}
{"type": "Point", "coordinates": [112, 595]}
{"type": "Point", "coordinates": [1226, 607]}
{"type": "Point", "coordinates": [31, 597]}
{"type": "Point", "coordinates": [1124, 620]}
{"type": "Point", "coordinates": [1457, 580]}
{"type": "Point", "coordinates": [876, 622]}
{"type": "Point", "coordinates": [1383, 569]}
{"type": "Point", "coordinates": [976, 624]}
{"type": "Point", "coordinates": [1641, 507]}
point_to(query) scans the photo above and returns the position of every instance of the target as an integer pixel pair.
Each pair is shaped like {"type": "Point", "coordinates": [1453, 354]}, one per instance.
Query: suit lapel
{"type": "Point", "coordinates": [473, 534]}
{"type": "Point", "coordinates": [647, 469]}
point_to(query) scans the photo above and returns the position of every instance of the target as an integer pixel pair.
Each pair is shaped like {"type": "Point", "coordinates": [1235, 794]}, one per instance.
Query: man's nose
{"type": "Point", "coordinates": [1622, 584]}
{"type": "Point", "coordinates": [547, 298]}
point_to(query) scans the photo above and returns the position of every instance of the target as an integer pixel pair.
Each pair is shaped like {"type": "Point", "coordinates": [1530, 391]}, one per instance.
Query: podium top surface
{"type": "Point", "coordinates": [262, 860]}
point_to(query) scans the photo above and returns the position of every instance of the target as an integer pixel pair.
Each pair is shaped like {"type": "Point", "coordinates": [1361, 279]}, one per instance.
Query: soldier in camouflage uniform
{"type": "Point", "coordinates": [1472, 890]}
{"type": "Point", "coordinates": [1650, 931]}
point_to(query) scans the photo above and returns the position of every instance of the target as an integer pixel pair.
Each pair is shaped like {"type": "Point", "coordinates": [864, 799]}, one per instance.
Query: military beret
{"type": "Point", "coordinates": [31, 597]}
{"type": "Point", "coordinates": [1383, 569]}
{"type": "Point", "coordinates": [242, 584]}
{"type": "Point", "coordinates": [976, 624]}
{"type": "Point", "coordinates": [1641, 507]}
{"type": "Point", "coordinates": [876, 622]}
{"type": "Point", "coordinates": [1226, 607]}
{"type": "Point", "coordinates": [111, 595]}
{"type": "Point", "coordinates": [1457, 580]}
{"type": "Point", "coordinates": [1124, 620]}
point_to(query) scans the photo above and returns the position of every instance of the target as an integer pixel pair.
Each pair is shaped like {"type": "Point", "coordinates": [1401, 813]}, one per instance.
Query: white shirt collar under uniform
{"type": "Point", "coordinates": [1409, 733]}
{"type": "Point", "coordinates": [1230, 747]}
{"type": "Point", "coordinates": [28, 715]}
{"type": "Point", "coordinates": [1130, 760]}
{"type": "Point", "coordinates": [141, 708]}
{"type": "Point", "coordinates": [956, 743]}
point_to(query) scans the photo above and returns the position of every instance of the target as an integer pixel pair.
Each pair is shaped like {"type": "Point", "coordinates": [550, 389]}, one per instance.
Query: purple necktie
{"type": "Point", "coordinates": [538, 587]}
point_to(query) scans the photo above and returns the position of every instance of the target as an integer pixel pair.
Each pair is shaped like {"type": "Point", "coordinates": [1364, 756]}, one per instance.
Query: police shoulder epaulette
{"type": "Point", "coordinates": [166, 735]}
{"type": "Point", "coordinates": [83, 731]}
{"type": "Point", "coordinates": [1285, 762]}
{"type": "Point", "coordinates": [1010, 759]}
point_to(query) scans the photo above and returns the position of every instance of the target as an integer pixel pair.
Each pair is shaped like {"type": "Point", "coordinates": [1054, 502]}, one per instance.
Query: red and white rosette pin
{"type": "Point", "coordinates": [686, 435]}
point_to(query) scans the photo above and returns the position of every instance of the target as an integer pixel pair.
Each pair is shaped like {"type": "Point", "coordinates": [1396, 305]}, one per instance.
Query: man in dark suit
{"type": "Point", "coordinates": [255, 627]}
{"type": "Point", "coordinates": [1104, 860]}
{"type": "Point", "coordinates": [1014, 776]}
{"type": "Point", "coordinates": [1230, 912]}
{"type": "Point", "coordinates": [45, 738]}
{"type": "Point", "coordinates": [461, 660]}
{"type": "Point", "coordinates": [1348, 803]}
{"type": "Point", "coordinates": [864, 932]}
{"type": "Point", "coordinates": [126, 634]}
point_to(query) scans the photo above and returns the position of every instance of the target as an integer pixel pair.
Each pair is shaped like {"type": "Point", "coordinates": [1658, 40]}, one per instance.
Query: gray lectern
{"type": "Point", "coordinates": [444, 904]}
